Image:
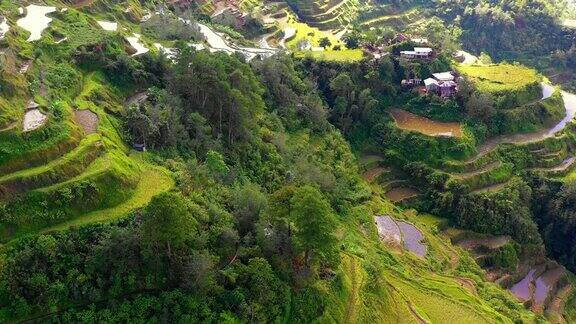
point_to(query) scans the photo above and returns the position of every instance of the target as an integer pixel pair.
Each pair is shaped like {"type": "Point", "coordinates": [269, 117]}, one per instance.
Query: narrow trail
{"type": "Point", "coordinates": [9, 127]}
{"type": "Point", "coordinates": [486, 168]}
{"type": "Point", "coordinates": [565, 165]}
{"type": "Point", "coordinates": [557, 304]}
{"type": "Point", "coordinates": [491, 188]}
{"type": "Point", "coordinates": [373, 174]}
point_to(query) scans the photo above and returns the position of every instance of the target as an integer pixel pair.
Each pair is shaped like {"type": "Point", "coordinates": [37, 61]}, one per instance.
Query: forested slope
{"type": "Point", "coordinates": [251, 202]}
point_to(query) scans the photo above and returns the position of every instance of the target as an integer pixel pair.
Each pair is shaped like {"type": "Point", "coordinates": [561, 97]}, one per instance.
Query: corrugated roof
{"type": "Point", "coordinates": [444, 76]}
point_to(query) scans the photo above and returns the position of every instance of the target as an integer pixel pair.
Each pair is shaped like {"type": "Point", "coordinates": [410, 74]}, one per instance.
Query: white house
{"type": "Point", "coordinates": [431, 84]}
{"type": "Point", "coordinates": [418, 52]}
{"type": "Point", "coordinates": [444, 76]}
{"type": "Point", "coordinates": [444, 84]}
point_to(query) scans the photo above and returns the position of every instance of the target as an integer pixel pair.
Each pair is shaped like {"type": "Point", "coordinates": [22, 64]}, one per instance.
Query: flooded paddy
{"type": "Point", "coordinates": [36, 21]}
{"type": "Point", "coordinates": [524, 288]}
{"type": "Point", "coordinates": [538, 287]}
{"type": "Point", "coordinates": [107, 25]}
{"type": "Point", "coordinates": [33, 119]}
{"type": "Point", "coordinates": [412, 122]}
{"type": "Point", "coordinates": [399, 194]}
{"type": "Point", "coordinates": [412, 238]}
{"type": "Point", "coordinates": [398, 232]}
{"type": "Point", "coordinates": [388, 229]}
{"type": "Point", "coordinates": [4, 27]}
{"type": "Point", "coordinates": [545, 284]}
{"type": "Point", "coordinates": [135, 43]}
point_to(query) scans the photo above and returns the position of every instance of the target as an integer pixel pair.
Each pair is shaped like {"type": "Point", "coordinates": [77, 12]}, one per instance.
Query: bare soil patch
{"type": "Point", "coordinates": [88, 120]}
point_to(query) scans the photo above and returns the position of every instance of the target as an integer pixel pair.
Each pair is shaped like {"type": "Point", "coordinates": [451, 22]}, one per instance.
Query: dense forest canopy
{"type": "Point", "coordinates": [293, 161]}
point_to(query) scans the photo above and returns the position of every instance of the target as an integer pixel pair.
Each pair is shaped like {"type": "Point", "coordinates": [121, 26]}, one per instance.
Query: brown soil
{"type": "Point", "coordinates": [373, 174]}
{"type": "Point", "coordinates": [489, 242]}
{"type": "Point", "coordinates": [88, 120]}
{"type": "Point", "coordinates": [557, 305]}
{"type": "Point", "coordinates": [401, 193]}
{"type": "Point", "coordinates": [409, 121]}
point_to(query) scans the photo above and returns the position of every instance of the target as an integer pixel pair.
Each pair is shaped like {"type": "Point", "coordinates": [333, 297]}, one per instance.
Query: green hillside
{"type": "Point", "coordinates": [326, 14]}
{"type": "Point", "coordinates": [153, 169]}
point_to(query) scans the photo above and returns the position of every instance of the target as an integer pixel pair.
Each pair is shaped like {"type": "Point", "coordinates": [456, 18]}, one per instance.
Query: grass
{"type": "Point", "coordinates": [327, 13]}
{"type": "Point", "coordinates": [348, 55]}
{"type": "Point", "coordinates": [58, 170]}
{"type": "Point", "coordinates": [154, 181]}
{"type": "Point", "coordinates": [373, 283]}
{"type": "Point", "coordinates": [381, 284]}
{"type": "Point", "coordinates": [501, 77]}
{"type": "Point", "coordinates": [499, 173]}
{"type": "Point", "coordinates": [396, 20]}
{"type": "Point", "coordinates": [305, 31]}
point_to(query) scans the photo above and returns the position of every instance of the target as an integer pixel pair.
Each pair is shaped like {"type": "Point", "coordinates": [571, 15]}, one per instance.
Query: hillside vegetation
{"type": "Point", "coordinates": [160, 170]}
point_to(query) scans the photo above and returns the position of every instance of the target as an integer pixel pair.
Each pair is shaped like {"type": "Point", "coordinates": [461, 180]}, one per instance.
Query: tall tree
{"type": "Point", "coordinates": [168, 222]}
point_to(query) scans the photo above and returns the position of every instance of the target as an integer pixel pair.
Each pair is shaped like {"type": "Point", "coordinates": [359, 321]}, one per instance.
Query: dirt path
{"type": "Point", "coordinates": [492, 188]}
{"type": "Point", "coordinates": [486, 168]}
{"type": "Point", "coordinates": [489, 242]}
{"type": "Point", "coordinates": [557, 304]}
{"type": "Point", "coordinates": [9, 127]}
{"type": "Point", "coordinates": [561, 167]}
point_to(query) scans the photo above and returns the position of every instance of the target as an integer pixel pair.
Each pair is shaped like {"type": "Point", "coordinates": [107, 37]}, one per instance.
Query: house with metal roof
{"type": "Point", "coordinates": [444, 84]}
{"type": "Point", "coordinates": [418, 53]}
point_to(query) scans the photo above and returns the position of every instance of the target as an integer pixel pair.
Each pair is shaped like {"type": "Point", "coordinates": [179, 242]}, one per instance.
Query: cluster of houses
{"type": "Point", "coordinates": [381, 51]}
{"type": "Point", "coordinates": [443, 84]}
{"type": "Point", "coordinates": [231, 15]}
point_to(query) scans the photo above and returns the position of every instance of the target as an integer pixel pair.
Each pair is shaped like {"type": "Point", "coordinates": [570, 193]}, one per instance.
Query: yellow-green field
{"type": "Point", "coordinates": [501, 77]}
{"type": "Point", "coordinates": [334, 56]}
{"type": "Point", "coordinates": [305, 31]}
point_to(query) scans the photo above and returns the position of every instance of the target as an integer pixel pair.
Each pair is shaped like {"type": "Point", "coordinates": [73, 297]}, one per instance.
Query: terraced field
{"type": "Point", "coordinates": [72, 167]}
{"type": "Point", "coordinates": [326, 14]}
{"type": "Point", "coordinates": [93, 181]}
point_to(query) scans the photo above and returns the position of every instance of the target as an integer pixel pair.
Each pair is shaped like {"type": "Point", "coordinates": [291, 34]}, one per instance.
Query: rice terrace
{"type": "Point", "coordinates": [292, 161]}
